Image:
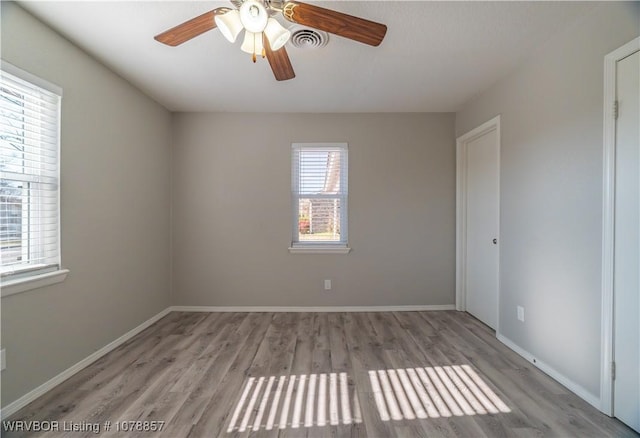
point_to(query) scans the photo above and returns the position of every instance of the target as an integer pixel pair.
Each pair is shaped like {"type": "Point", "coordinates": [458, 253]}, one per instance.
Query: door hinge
{"type": "Point", "coordinates": [615, 110]}
{"type": "Point", "coordinates": [613, 371]}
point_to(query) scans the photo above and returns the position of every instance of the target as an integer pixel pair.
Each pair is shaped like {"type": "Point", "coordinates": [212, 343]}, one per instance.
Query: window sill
{"type": "Point", "coordinates": [20, 285]}
{"type": "Point", "coordinates": [318, 249]}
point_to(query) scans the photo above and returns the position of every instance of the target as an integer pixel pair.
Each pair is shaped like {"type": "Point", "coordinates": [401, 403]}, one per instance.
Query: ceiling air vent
{"type": "Point", "coordinates": [308, 39]}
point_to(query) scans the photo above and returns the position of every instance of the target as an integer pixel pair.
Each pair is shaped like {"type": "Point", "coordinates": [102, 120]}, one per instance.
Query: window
{"type": "Point", "coordinates": [319, 191]}
{"type": "Point", "coordinates": [29, 175]}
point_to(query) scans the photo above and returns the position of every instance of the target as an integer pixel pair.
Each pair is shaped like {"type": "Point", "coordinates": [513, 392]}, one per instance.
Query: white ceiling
{"type": "Point", "coordinates": [436, 55]}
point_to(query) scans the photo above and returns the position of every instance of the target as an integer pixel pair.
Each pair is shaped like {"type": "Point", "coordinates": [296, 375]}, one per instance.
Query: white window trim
{"type": "Point", "coordinates": [321, 247]}
{"type": "Point", "coordinates": [19, 285]}
{"type": "Point", "coordinates": [29, 77]}
{"type": "Point", "coordinates": [16, 285]}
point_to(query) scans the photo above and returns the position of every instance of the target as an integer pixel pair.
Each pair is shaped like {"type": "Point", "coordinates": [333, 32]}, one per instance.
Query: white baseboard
{"type": "Point", "coordinates": [257, 309]}
{"type": "Point", "coordinates": [15, 406]}
{"type": "Point", "coordinates": [562, 379]}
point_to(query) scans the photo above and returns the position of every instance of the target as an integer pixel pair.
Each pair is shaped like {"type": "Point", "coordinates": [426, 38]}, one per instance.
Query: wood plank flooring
{"type": "Point", "coordinates": [190, 370]}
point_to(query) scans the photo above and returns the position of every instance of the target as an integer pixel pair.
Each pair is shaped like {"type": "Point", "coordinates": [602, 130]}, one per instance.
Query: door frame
{"type": "Point", "coordinates": [608, 221]}
{"type": "Point", "coordinates": [462, 143]}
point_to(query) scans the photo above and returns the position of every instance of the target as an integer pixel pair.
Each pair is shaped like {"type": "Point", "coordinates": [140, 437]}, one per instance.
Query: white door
{"type": "Point", "coordinates": [481, 150]}
{"type": "Point", "coordinates": [626, 274]}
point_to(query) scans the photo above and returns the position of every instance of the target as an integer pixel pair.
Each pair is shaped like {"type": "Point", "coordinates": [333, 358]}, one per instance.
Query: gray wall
{"type": "Point", "coordinates": [551, 191]}
{"type": "Point", "coordinates": [232, 211]}
{"type": "Point", "coordinates": [115, 204]}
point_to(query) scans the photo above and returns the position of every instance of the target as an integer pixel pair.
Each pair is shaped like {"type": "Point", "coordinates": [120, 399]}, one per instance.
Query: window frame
{"type": "Point", "coordinates": [31, 276]}
{"type": "Point", "coordinates": [320, 246]}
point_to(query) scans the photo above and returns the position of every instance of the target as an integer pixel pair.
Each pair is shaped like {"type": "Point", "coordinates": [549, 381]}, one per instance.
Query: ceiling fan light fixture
{"type": "Point", "coordinates": [230, 25]}
{"type": "Point", "coordinates": [277, 34]}
{"type": "Point", "coordinates": [252, 43]}
{"type": "Point", "coordinates": [254, 16]}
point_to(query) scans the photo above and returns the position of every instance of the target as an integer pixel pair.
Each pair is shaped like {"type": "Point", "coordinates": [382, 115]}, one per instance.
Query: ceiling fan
{"type": "Point", "coordinates": [265, 36]}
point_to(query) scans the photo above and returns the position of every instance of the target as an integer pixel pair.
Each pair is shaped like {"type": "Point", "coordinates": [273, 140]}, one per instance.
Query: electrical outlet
{"type": "Point", "coordinates": [3, 359]}
{"type": "Point", "coordinates": [520, 312]}
{"type": "Point", "coordinates": [327, 285]}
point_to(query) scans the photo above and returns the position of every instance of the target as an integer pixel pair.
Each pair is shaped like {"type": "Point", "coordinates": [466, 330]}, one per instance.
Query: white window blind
{"type": "Point", "coordinates": [320, 193]}
{"type": "Point", "coordinates": [29, 176]}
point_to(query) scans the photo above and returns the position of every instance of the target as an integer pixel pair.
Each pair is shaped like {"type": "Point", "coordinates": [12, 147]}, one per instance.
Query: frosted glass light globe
{"type": "Point", "coordinates": [253, 16]}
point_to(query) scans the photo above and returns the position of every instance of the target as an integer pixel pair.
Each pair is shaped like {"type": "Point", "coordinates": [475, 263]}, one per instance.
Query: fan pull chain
{"type": "Point", "coordinates": [254, 56]}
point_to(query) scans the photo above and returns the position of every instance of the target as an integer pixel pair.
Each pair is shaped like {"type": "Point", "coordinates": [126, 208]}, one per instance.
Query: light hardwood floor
{"type": "Point", "coordinates": [191, 370]}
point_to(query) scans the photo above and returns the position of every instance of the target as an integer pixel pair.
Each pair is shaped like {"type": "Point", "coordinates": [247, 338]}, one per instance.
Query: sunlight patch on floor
{"type": "Point", "coordinates": [295, 402]}
{"type": "Point", "coordinates": [432, 392]}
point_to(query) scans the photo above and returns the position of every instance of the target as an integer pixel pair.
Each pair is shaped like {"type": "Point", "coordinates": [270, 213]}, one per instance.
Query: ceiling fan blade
{"type": "Point", "coordinates": [190, 28]}
{"type": "Point", "coordinates": [279, 62]}
{"type": "Point", "coordinates": [347, 26]}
